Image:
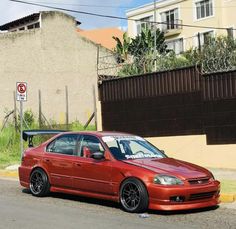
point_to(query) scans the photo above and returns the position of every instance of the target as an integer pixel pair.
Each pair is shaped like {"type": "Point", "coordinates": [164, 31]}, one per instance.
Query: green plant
{"type": "Point", "coordinates": [171, 61]}
{"type": "Point", "coordinates": [10, 140]}
{"type": "Point", "coordinates": [28, 119]}
{"type": "Point", "coordinates": [139, 51]}
{"type": "Point", "coordinates": [122, 48]}
{"type": "Point", "coordinates": [9, 146]}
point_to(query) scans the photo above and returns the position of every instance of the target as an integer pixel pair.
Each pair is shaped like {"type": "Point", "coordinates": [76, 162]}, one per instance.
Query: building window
{"type": "Point", "coordinates": [206, 37]}
{"type": "Point", "coordinates": [144, 23]}
{"type": "Point", "coordinates": [203, 38]}
{"type": "Point", "coordinates": [170, 19]}
{"type": "Point", "coordinates": [176, 45]}
{"type": "Point", "coordinates": [230, 32]}
{"type": "Point", "coordinates": [204, 9]}
{"type": "Point", "coordinates": [22, 28]}
{"type": "Point", "coordinates": [33, 26]}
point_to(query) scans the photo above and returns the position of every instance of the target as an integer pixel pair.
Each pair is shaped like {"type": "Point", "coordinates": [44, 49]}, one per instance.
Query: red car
{"type": "Point", "coordinates": [115, 166]}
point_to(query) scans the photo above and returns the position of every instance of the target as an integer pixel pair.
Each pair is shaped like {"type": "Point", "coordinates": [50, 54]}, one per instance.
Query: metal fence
{"type": "Point", "coordinates": [154, 84]}
{"type": "Point", "coordinates": [176, 102]}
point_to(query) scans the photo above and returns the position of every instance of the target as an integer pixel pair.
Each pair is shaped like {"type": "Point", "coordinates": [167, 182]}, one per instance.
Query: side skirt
{"type": "Point", "coordinates": [86, 194]}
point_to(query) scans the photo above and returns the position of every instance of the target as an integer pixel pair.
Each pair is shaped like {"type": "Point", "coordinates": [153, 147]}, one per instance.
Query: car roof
{"type": "Point", "coordinates": [99, 133]}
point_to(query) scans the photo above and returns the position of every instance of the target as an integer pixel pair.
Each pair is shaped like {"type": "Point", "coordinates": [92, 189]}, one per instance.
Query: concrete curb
{"type": "Point", "coordinates": [6, 173]}
{"type": "Point", "coordinates": [227, 198]}
{"type": "Point", "coordinates": [224, 197]}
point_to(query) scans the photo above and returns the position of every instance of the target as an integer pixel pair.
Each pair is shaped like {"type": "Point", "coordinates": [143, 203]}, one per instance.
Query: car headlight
{"type": "Point", "coordinates": [167, 180]}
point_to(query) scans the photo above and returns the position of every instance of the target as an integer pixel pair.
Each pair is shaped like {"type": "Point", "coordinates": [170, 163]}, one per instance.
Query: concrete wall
{"type": "Point", "coordinates": [48, 59]}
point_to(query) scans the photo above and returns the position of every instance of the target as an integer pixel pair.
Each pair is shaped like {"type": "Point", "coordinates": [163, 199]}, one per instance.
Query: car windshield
{"type": "Point", "coordinates": [131, 147]}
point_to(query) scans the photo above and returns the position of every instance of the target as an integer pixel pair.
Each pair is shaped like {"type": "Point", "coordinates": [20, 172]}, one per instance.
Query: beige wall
{"type": "Point", "coordinates": [223, 16]}
{"type": "Point", "coordinates": [195, 150]}
{"type": "Point", "coordinates": [49, 59]}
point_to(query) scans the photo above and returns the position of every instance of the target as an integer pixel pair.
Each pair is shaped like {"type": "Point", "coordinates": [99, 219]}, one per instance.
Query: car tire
{"type": "Point", "coordinates": [39, 184]}
{"type": "Point", "coordinates": [134, 196]}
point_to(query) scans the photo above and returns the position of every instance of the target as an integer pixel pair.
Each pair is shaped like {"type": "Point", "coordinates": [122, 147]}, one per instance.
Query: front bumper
{"type": "Point", "coordinates": [194, 196]}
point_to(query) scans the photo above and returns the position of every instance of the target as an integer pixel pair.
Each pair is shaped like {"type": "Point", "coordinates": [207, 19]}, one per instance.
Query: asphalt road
{"type": "Point", "coordinates": [19, 209]}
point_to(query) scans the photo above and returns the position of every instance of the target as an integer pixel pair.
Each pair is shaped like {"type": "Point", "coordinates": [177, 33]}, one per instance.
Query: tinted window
{"type": "Point", "coordinates": [65, 144]}
{"type": "Point", "coordinates": [91, 143]}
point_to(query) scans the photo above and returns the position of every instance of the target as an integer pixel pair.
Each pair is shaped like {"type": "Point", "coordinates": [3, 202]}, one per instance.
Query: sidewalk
{"type": "Point", "coordinates": [227, 178]}
{"type": "Point", "coordinates": [10, 172]}
{"type": "Point", "coordinates": [223, 174]}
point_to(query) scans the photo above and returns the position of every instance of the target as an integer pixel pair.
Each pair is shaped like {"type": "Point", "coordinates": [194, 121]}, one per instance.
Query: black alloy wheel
{"type": "Point", "coordinates": [39, 185]}
{"type": "Point", "coordinates": [133, 196]}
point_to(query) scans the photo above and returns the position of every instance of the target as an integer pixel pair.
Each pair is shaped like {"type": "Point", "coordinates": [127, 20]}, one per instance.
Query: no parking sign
{"type": "Point", "coordinates": [21, 91]}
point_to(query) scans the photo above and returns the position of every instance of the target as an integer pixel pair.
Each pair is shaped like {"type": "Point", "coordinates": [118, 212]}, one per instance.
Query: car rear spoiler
{"type": "Point", "coordinates": [29, 134]}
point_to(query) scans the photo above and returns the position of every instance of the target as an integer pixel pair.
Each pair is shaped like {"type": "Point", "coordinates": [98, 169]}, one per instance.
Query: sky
{"type": "Point", "coordinates": [10, 11]}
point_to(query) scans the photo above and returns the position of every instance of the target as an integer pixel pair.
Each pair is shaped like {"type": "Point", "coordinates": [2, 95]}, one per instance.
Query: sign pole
{"type": "Point", "coordinates": [21, 128]}
{"type": "Point", "coordinates": [21, 96]}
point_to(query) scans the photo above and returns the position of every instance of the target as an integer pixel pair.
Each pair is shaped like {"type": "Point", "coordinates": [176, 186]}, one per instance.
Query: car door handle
{"type": "Point", "coordinates": [78, 164]}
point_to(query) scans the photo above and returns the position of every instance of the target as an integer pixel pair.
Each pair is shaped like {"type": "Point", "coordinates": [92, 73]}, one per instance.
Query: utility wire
{"type": "Point", "coordinates": [117, 17]}
{"type": "Point", "coordinates": [112, 6]}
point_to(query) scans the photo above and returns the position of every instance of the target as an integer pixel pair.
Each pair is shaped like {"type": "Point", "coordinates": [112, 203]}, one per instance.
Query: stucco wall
{"type": "Point", "coordinates": [49, 59]}
{"type": "Point", "coordinates": [195, 150]}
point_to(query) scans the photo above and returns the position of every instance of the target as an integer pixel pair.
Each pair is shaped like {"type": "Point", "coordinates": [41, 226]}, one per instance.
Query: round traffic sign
{"type": "Point", "coordinates": [21, 88]}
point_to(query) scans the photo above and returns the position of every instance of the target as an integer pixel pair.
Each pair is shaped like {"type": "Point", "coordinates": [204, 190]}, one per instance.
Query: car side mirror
{"type": "Point", "coordinates": [98, 155]}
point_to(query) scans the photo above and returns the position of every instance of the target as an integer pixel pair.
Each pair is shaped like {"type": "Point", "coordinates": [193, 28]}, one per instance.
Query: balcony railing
{"type": "Point", "coordinates": [168, 26]}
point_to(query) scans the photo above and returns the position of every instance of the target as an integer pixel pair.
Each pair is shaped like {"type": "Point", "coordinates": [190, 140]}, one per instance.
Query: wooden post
{"type": "Point", "coordinates": [40, 110]}
{"type": "Point", "coordinates": [98, 54]}
{"type": "Point", "coordinates": [95, 107]}
{"type": "Point", "coordinates": [67, 108]}
{"type": "Point", "coordinates": [15, 114]}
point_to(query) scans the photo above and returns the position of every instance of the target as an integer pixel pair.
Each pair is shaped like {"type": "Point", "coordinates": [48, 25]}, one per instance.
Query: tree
{"type": "Point", "coordinates": [122, 48]}
{"type": "Point", "coordinates": [141, 50]}
{"type": "Point", "coordinates": [216, 55]}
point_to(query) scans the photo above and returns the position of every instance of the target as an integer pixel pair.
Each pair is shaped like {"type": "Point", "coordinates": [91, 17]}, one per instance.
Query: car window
{"type": "Point", "coordinates": [131, 147]}
{"type": "Point", "coordinates": [91, 144]}
{"type": "Point", "coordinates": [65, 144]}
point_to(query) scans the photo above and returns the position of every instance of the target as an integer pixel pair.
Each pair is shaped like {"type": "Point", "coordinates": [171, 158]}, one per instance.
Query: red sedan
{"type": "Point", "coordinates": [115, 166]}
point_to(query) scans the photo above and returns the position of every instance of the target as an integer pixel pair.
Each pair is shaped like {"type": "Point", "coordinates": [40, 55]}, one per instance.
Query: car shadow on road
{"type": "Point", "coordinates": [107, 203]}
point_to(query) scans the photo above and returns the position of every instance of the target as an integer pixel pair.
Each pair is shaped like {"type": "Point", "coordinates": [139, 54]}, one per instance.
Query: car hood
{"type": "Point", "coordinates": [171, 166]}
